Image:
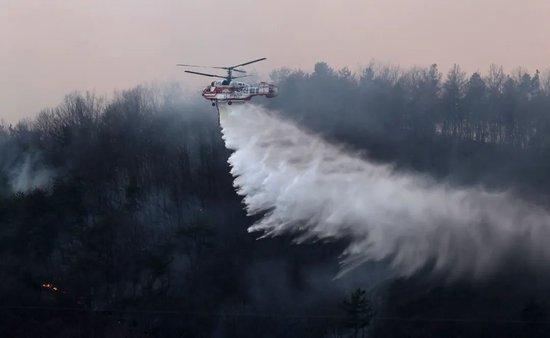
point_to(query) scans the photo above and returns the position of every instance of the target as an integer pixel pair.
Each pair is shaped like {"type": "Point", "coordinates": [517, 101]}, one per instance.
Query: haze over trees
{"type": "Point", "coordinates": [491, 127]}
{"type": "Point", "coordinates": [118, 217]}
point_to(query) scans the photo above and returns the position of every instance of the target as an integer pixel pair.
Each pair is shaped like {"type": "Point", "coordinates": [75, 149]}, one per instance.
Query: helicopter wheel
{"type": "Point", "coordinates": [213, 104]}
{"type": "Point", "coordinates": [229, 102]}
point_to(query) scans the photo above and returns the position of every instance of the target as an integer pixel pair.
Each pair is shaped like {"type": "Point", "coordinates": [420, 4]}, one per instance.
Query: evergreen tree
{"type": "Point", "coordinates": [358, 312]}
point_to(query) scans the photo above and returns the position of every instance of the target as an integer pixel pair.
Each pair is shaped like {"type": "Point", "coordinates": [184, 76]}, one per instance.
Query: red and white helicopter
{"type": "Point", "coordinates": [228, 90]}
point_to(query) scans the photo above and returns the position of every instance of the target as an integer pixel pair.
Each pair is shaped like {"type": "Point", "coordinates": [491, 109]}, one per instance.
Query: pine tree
{"type": "Point", "coordinates": [359, 311]}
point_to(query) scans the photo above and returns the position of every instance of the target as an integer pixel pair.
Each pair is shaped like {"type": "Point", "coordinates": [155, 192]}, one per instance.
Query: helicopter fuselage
{"type": "Point", "coordinates": [220, 91]}
{"type": "Point", "coordinates": [229, 90]}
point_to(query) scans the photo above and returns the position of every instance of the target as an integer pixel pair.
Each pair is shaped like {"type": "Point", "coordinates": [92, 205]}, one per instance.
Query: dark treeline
{"type": "Point", "coordinates": [494, 108]}
{"type": "Point", "coordinates": [118, 216]}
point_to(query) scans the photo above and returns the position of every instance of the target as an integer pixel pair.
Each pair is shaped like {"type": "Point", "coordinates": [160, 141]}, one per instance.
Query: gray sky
{"type": "Point", "coordinates": [49, 48]}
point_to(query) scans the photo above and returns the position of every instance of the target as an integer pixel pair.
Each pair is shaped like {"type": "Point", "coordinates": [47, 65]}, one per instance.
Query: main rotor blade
{"type": "Point", "coordinates": [205, 74]}
{"type": "Point", "coordinates": [247, 63]}
{"type": "Point", "coordinates": [196, 66]}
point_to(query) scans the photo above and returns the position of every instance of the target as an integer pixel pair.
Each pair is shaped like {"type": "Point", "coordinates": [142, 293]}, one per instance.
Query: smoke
{"type": "Point", "coordinates": [29, 174]}
{"type": "Point", "coordinates": [315, 190]}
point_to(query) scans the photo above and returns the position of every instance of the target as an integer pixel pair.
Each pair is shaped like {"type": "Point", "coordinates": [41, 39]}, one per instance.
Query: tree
{"type": "Point", "coordinates": [452, 101]}
{"type": "Point", "coordinates": [475, 105]}
{"type": "Point", "coordinates": [359, 311]}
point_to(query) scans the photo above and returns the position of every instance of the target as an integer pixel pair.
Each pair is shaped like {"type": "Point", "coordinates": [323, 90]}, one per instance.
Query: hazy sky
{"type": "Point", "coordinates": [49, 48]}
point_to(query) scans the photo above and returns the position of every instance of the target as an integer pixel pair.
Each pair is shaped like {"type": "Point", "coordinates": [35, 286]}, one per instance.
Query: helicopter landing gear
{"type": "Point", "coordinates": [229, 102]}
{"type": "Point", "coordinates": [213, 104]}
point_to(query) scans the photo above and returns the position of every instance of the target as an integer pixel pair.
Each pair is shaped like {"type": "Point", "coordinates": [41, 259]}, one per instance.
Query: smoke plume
{"type": "Point", "coordinates": [316, 190]}
{"type": "Point", "coordinates": [29, 174]}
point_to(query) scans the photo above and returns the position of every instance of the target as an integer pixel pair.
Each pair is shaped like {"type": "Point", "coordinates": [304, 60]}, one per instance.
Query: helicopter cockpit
{"type": "Point", "coordinates": [220, 83]}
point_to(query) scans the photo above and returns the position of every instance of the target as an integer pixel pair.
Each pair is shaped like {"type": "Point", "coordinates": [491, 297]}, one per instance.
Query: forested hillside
{"type": "Point", "coordinates": [118, 217]}
{"type": "Point", "coordinates": [492, 128]}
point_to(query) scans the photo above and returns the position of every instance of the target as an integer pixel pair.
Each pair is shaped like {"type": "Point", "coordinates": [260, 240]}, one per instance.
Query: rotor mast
{"type": "Point", "coordinates": [229, 75]}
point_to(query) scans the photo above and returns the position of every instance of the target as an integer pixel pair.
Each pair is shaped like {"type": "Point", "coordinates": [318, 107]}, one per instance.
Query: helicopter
{"type": "Point", "coordinates": [228, 90]}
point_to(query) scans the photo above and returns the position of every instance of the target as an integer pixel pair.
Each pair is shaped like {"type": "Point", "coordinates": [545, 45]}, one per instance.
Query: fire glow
{"type": "Point", "coordinates": [50, 286]}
